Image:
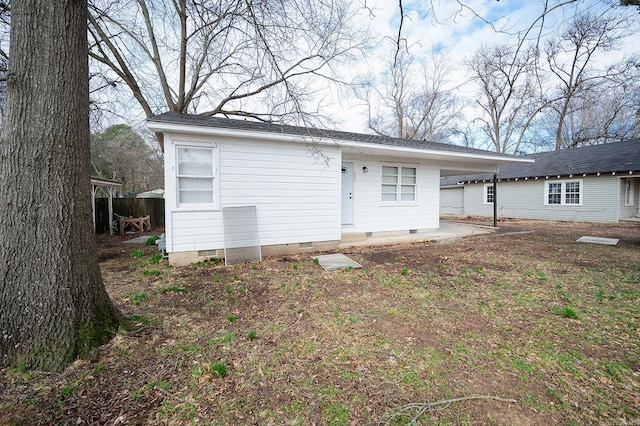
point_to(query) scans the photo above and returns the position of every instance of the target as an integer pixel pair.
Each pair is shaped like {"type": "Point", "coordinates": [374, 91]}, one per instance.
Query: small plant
{"type": "Point", "coordinates": [67, 390]}
{"type": "Point", "coordinates": [150, 272]}
{"type": "Point", "coordinates": [156, 258]}
{"type": "Point", "coordinates": [231, 318]}
{"type": "Point", "coordinates": [143, 319]}
{"type": "Point", "coordinates": [316, 260]}
{"type": "Point", "coordinates": [152, 240]}
{"type": "Point", "coordinates": [137, 298]}
{"type": "Point", "coordinates": [137, 253]}
{"type": "Point", "coordinates": [405, 271]}
{"type": "Point", "coordinates": [336, 414]}
{"type": "Point", "coordinates": [219, 368]}
{"type": "Point", "coordinates": [196, 371]}
{"type": "Point", "coordinates": [210, 261]}
{"type": "Point", "coordinates": [567, 312]}
{"type": "Point", "coordinates": [252, 335]}
{"type": "Point", "coordinates": [227, 338]}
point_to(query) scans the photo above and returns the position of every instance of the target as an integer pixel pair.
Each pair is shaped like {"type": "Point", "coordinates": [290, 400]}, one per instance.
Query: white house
{"type": "Point", "coordinates": [235, 183]}
{"type": "Point", "coordinates": [599, 183]}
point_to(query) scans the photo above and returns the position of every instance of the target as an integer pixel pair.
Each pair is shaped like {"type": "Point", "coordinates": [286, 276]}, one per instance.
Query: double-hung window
{"type": "Point", "coordinates": [399, 184]}
{"type": "Point", "coordinates": [196, 176]}
{"type": "Point", "coordinates": [489, 193]}
{"type": "Point", "coordinates": [563, 193]}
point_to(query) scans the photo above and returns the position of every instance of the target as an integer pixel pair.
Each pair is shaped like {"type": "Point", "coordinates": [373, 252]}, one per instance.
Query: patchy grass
{"type": "Point", "coordinates": [500, 329]}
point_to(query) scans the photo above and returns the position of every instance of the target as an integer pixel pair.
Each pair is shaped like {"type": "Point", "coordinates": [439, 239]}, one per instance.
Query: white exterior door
{"type": "Point", "coordinates": [346, 203]}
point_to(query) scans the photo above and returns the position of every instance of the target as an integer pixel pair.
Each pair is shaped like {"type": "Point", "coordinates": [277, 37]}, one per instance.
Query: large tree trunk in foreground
{"type": "Point", "coordinates": [53, 304]}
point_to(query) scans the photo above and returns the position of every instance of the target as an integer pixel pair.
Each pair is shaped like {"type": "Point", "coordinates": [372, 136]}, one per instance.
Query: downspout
{"type": "Point", "coordinates": [495, 200]}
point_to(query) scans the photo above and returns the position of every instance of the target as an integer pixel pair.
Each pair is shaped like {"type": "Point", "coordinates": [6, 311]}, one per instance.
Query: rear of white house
{"type": "Point", "coordinates": [309, 189]}
{"type": "Point", "coordinates": [589, 184]}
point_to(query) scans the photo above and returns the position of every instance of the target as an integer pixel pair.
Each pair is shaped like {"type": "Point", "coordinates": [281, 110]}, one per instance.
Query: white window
{"type": "Point", "coordinates": [398, 184]}
{"type": "Point", "coordinates": [196, 176]}
{"type": "Point", "coordinates": [563, 193]}
{"type": "Point", "coordinates": [628, 192]}
{"type": "Point", "coordinates": [489, 193]}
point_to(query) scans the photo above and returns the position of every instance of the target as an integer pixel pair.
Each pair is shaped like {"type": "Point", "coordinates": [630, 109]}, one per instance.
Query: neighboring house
{"type": "Point", "coordinates": [298, 189]}
{"type": "Point", "coordinates": [599, 183]}
{"type": "Point", "coordinates": [154, 193]}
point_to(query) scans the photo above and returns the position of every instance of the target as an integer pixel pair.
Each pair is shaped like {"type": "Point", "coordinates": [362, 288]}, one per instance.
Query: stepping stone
{"type": "Point", "coordinates": [598, 240]}
{"type": "Point", "coordinates": [331, 262]}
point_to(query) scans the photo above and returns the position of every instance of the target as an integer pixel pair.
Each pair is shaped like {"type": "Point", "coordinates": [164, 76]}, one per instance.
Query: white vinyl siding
{"type": "Point", "coordinates": [563, 193]}
{"type": "Point", "coordinates": [398, 184]}
{"type": "Point", "coordinates": [601, 197]}
{"type": "Point", "coordinates": [295, 194]}
{"type": "Point", "coordinates": [372, 215]}
{"type": "Point", "coordinates": [452, 200]}
{"type": "Point", "coordinates": [196, 176]}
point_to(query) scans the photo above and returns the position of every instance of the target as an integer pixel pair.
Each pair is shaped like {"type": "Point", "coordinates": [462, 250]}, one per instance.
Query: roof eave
{"type": "Point", "coordinates": [373, 148]}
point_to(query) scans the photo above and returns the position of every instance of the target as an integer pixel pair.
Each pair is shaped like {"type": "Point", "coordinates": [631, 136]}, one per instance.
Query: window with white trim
{"type": "Point", "coordinates": [628, 192]}
{"type": "Point", "coordinates": [567, 192]}
{"type": "Point", "coordinates": [489, 193]}
{"type": "Point", "coordinates": [196, 176]}
{"type": "Point", "coordinates": [399, 184]}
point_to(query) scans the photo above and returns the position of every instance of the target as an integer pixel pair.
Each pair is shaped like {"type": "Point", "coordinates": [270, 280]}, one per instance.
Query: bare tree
{"type": "Point", "coordinates": [507, 94]}
{"type": "Point", "coordinates": [234, 57]}
{"type": "Point", "coordinates": [608, 114]}
{"type": "Point", "coordinates": [582, 84]}
{"type": "Point", "coordinates": [413, 99]}
{"type": "Point", "coordinates": [53, 302]}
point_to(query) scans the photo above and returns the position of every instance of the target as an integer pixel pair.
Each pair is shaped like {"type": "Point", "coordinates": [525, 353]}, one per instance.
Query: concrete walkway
{"type": "Point", "coordinates": [447, 231]}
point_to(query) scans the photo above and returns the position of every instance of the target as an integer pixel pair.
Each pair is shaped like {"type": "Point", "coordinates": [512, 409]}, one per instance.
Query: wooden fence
{"type": "Point", "coordinates": [136, 207]}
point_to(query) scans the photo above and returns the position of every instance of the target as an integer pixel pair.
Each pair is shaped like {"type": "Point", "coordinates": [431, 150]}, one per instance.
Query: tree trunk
{"type": "Point", "coordinates": [53, 304]}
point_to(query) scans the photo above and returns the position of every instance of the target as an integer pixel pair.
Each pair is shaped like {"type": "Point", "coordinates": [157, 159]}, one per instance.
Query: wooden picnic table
{"type": "Point", "coordinates": [135, 224]}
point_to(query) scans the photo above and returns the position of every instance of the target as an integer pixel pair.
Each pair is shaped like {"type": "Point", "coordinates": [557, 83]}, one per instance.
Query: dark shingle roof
{"type": "Point", "coordinates": [236, 124]}
{"type": "Point", "coordinates": [612, 157]}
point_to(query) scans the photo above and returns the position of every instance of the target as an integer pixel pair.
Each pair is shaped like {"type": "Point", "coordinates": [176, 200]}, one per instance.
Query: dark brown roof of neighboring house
{"type": "Point", "coordinates": [619, 157]}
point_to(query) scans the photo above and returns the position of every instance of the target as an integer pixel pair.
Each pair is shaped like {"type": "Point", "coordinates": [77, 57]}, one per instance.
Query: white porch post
{"type": "Point", "coordinates": [94, 188]}
{"type": "Point", "coordinates": [110, 202]}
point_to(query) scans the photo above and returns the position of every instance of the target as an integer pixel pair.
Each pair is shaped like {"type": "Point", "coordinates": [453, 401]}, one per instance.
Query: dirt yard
{"type": "Point", "coordinates": [524, 326]}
